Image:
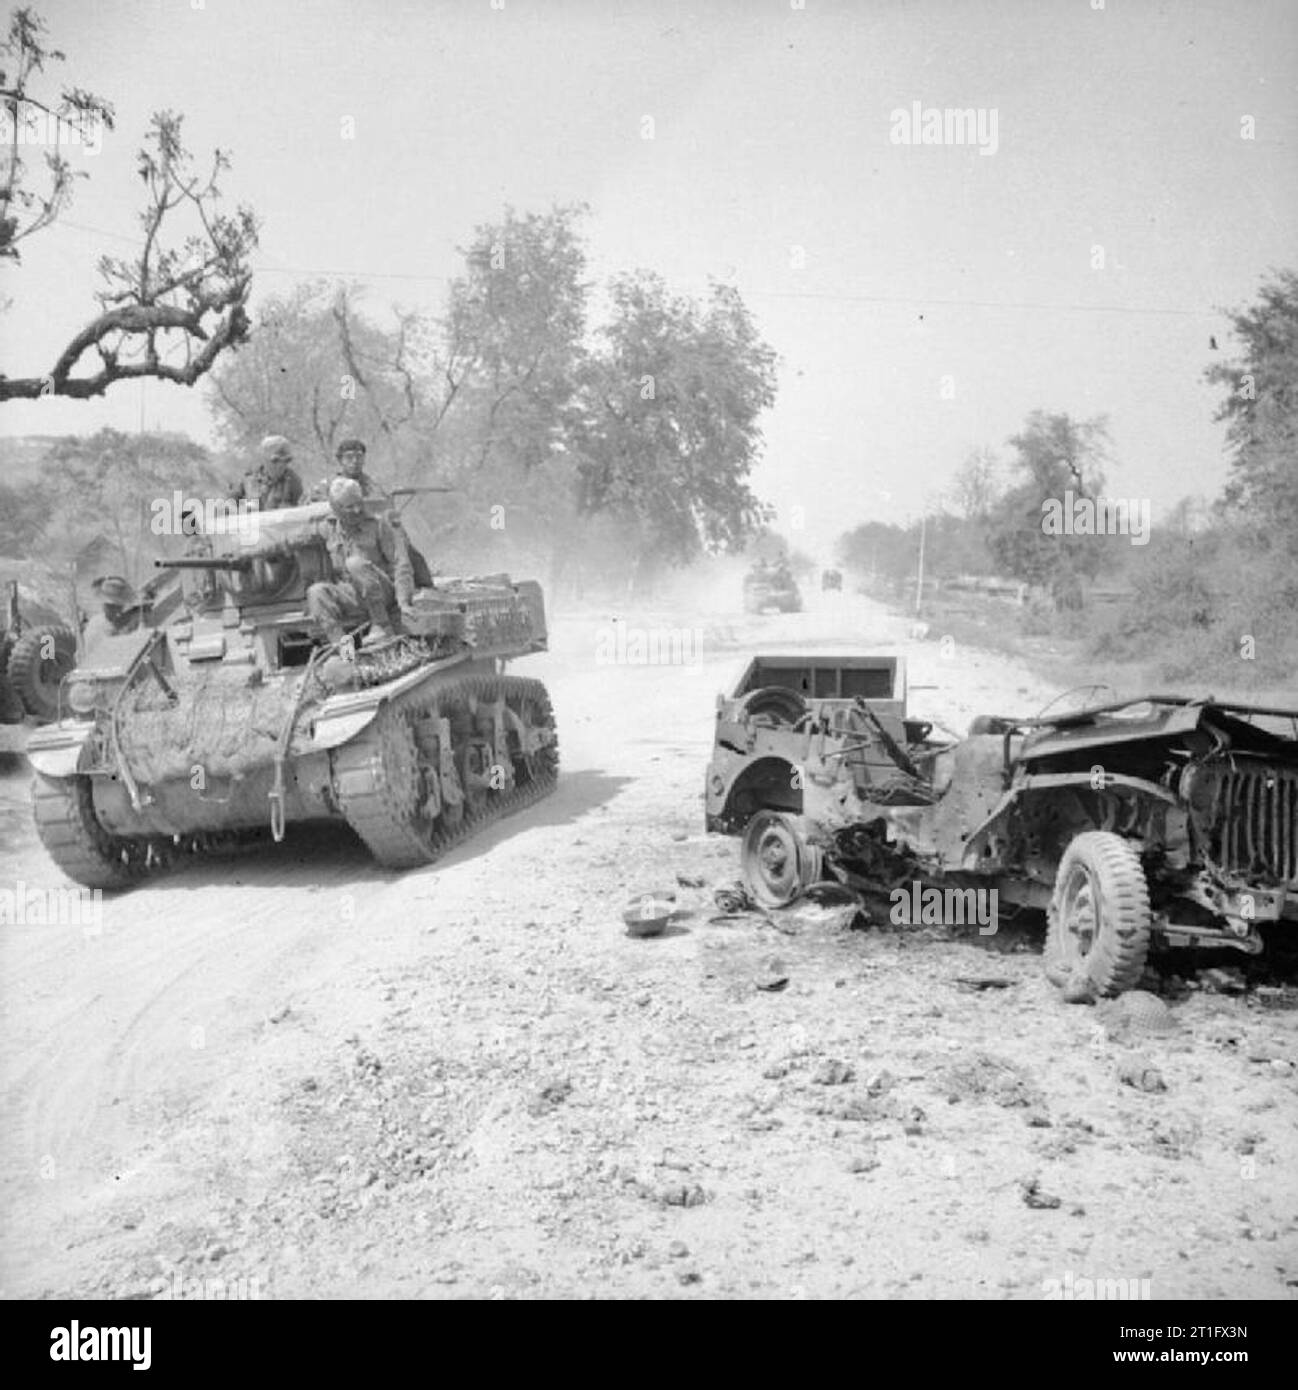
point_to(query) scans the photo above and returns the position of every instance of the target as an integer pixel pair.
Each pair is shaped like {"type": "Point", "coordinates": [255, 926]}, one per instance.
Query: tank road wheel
{"type": "Point", "coordinates": [1098, 935]}
{"type": "Point", "coordinates": [392, 782]}
{"type": "Point", "coordinates": [776, 862]}
{"type": "Point", "coordinates": [537, 766]}
{"type": "Point", "coordinates": [78, 844]}
{"type": "Point", "coordinates": [39, 661]}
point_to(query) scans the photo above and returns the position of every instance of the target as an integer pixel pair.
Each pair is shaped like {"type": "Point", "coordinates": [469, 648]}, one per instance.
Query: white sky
{"type": "Point", "coordinates": [1119, 126]}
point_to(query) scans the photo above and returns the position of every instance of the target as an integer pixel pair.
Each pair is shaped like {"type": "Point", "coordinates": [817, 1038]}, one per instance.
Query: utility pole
{"type": "Point", "coordinates": [919, 583]}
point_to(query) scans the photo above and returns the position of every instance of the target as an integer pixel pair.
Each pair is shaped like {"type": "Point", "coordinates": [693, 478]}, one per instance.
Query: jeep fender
{"type": "Point", "coordinates": [1052, 781]}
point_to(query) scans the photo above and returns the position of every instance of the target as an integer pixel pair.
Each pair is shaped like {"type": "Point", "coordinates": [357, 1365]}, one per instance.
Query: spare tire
{"type": "Point", "coordinates": [775, 702]}
{"type": "Point", "coordinates": [40, 659]}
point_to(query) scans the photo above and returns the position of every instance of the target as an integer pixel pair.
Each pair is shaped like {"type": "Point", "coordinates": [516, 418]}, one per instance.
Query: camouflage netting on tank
{"type": "Point", "coordinates": [225, 727]}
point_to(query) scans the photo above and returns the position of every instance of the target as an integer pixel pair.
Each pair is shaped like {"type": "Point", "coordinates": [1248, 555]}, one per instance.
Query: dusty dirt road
{"type": "Point", "coordinates": [294, 1075]}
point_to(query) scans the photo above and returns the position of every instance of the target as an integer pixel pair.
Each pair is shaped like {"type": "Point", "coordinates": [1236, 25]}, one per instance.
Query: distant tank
{"type": "Point", "coordinates": [234, 719]}
{"type": "Point", "coordinates": [768, 586]}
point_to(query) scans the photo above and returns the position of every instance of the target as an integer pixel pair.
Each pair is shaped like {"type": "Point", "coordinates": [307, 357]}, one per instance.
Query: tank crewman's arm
{"type": "Point", "coordinates": [327, 530]}
{"type": "Point", "coordinates": [392, 545]}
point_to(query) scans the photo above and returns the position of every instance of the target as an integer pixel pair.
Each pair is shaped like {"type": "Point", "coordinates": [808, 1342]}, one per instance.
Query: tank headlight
{"type": "Point", "coordinates": [81, 696]}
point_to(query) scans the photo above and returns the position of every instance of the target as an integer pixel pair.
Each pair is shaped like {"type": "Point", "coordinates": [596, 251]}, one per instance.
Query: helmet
{"type": "Point", "coordinates": [112, 588]}
{"type": "Point", "coordinates": [275, 447]}
{"type": "Point", "coordinates": [350, 446]}
{"type": "Point", "coordinates": [345, 496]}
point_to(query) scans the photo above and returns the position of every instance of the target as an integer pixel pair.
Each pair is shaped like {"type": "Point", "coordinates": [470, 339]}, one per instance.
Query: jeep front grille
{"type": "Point", "coordinates": [1253, 830]}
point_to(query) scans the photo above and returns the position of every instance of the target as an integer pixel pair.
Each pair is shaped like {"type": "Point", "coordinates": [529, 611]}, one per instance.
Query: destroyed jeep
{"type": "Point", "coordinates": [771, 586]}
{"type": "Point", "coordinates": [1161, 818]}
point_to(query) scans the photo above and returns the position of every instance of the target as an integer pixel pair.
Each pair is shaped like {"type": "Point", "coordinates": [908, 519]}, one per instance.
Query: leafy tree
{"type": "Point", "coordinates": [1261, 410]}
{"type": "Point", "coordinates": [1053, 455]}
{"type": "Point", "coordinates": [505, 370]}
{"type": "Point", "coordinates": [317, 371]}
{"type": "Point", "coordinates": [510, 356]}
{"type": "Point", "coordinates": [104, 485]}
{"type": "Point", "coordinates": [976, 487]}
{"type": "Point", "coordinates": [25, 510]}
{"type": "Point", "coordinates": [173, 309]}
{"type": "Point", "coordinates": [671, 431]}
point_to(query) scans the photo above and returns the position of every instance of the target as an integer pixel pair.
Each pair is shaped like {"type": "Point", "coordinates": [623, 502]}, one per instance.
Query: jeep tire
{"type": "Point", "coordinates": [1099, 916]}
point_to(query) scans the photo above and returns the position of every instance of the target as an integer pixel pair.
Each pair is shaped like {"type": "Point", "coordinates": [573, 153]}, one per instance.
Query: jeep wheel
{"type": "Point", "coordinates": [1098, 935]}
{"type": "Point", "coordinates": [776, 861]}
{"type": "Point", "coordinates": [40, 659]}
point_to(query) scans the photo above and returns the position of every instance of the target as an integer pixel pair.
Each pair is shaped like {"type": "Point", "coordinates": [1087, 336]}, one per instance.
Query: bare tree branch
{"type": "Point", "coordinates": [174, 309]}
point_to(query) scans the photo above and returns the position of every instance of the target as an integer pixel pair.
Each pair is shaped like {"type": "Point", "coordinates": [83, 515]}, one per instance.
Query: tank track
{"type": "Point", "coordinates": [381, 777]}
{"type": "Point", "coordinates": [94, 857]}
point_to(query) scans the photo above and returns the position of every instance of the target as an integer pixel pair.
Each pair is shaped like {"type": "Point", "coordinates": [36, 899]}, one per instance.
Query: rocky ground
{"type": "Point", "coordinates": [295, 1075]}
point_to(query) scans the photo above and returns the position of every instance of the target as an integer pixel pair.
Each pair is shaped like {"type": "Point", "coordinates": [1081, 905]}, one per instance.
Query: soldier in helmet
{"type": "Point", "coordinates": [274, 482]}
{"type": "Point", "coordinates": [371, 565]}
{"type": "Point", "coordinates": [119, 612]}
{"type": "Point", "coordinates": [350, 455]}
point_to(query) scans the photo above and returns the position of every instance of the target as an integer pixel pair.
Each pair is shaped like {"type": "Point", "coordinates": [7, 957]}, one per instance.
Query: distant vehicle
{"type": "Point", "coordinates": [771, 586]}
{"type": "Point", "coordinates": [1162, 817]}
{"type": "Point", "coordinates": [34, 658]}
{"type": "Point", "coordinates": [831, 579]}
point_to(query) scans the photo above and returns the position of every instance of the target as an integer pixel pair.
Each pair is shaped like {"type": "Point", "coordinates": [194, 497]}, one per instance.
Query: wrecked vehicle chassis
{"type": "Point", "coordinates": [1159, 818]}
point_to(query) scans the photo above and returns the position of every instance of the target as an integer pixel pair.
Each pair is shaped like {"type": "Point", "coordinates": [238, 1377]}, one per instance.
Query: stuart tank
{"type": "Point", "coordinates": [227, 717]}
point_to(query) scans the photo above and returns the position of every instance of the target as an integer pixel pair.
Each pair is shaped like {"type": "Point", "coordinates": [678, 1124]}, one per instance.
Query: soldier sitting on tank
{"type": "Point", "coordinates": [351, 464]}
{"type": "Point", "coordinates": [274, 482]}
{"type": "Point", "coordinates": [120, 611]}
{"type": "Point", "coordinates": [371, 566]}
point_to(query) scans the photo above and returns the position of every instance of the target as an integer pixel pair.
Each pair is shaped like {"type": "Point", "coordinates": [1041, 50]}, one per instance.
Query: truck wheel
{"type": "Point", "coordinates": [1099, 915]}
{"type": "Point", "coordinates": [776, 861]}
{"type": "Point", "coordinates": [39, 661]}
